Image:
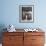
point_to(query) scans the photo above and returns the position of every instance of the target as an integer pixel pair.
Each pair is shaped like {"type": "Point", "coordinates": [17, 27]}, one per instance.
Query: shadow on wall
{"type": "Point", "coordinates": [2, 26]}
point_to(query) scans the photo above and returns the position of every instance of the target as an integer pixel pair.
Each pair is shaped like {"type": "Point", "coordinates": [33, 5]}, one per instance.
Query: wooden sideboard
{"type": "Point", "coordinates": [23, 39]}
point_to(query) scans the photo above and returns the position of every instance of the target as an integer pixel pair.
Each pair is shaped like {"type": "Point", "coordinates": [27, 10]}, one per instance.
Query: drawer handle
{"type": "Point", "coordinates": [11, 38]}
{"type": "Point", "coordinates": [33, 39]}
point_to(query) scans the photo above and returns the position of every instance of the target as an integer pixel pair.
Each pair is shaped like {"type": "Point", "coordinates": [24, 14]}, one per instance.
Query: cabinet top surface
{"type": "Point", "coordinates": [22, 30]}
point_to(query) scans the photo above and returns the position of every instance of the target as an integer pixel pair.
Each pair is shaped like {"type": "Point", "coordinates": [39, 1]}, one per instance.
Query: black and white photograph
{"type": "Point", "coordinates": [26, 13]}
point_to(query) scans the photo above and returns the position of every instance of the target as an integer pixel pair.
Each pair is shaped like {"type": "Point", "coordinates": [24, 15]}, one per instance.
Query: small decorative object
{"type": "Point", "coordinates": [26, 30]}
{"type": "Point", "coordinates": [11, 28]}
{"type": "Point", "coordinates": [26, 13]}
{"type": "Point", "coordinates": [31, 30]}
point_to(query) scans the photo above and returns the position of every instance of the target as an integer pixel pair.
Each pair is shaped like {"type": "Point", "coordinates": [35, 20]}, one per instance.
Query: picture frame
{"type": "Point", "coordinates": [26, 13]}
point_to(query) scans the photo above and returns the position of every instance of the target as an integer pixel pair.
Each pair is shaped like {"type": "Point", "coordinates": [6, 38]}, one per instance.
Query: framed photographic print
{"type": "Point", "coordinates": [26, 13]}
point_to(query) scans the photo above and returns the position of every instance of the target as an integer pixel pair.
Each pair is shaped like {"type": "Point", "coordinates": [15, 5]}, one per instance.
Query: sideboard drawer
{"type": "Point", "coordinates": [13, 33]}
{"type": "Point", "coordinates": [37, 39]}
{"type": "Point", "coordinates": [12, 39]}
{"type": "Point", "coordinates": [34, 33]}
